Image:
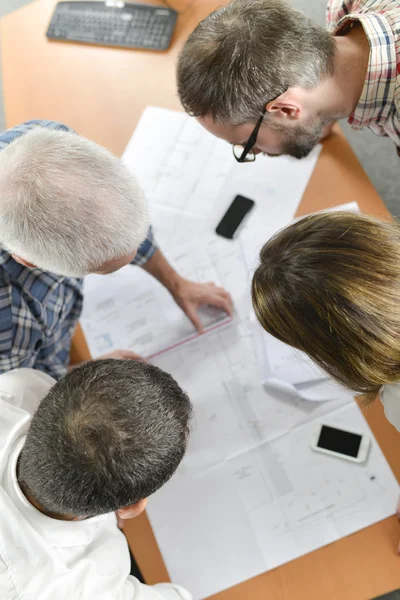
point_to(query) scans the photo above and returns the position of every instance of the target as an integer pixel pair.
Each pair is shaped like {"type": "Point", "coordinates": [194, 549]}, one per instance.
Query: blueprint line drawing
{"type": "Point", "coordinates": [250, 494]}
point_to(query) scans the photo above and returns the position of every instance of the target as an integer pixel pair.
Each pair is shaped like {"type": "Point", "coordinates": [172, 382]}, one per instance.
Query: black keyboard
{"type": "Point", "coordinates": [113, 23]}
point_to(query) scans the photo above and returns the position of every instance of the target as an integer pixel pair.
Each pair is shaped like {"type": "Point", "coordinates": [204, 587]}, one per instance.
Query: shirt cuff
{"type": "Point", "coordinates": [146, 250]}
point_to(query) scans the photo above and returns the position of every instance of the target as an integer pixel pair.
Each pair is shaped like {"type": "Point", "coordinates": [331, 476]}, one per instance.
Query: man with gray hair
{"type": "Point", "coordinates": [67, 208]}
{"type": "Point", "coordinates": [262, 76]}
{"type": "Point", "coordinates": [101, 440]}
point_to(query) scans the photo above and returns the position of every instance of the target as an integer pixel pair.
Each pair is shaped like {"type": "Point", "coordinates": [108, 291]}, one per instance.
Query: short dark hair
{"type": "Point", "coordinates": [108, 434]}
{"type": "Point", "coordinates": [248, 53]}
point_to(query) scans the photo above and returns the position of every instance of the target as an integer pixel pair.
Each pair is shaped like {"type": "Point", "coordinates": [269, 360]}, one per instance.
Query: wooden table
{"type": "Point", "coordinates": [101, 93]}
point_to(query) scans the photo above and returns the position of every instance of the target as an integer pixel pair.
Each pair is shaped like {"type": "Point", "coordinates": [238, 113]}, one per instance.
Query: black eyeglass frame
{"type": "Point", "coordinates": [250, 142]}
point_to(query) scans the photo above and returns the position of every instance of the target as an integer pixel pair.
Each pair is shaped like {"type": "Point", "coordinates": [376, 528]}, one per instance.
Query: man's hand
{"type": "Point", "coordinates": [190, 295]}
{"type": "Point", "coordinates": [122, 355]}
{"type": "Point", "coordinates": [117, 354]}
{"type": "Point", "coordinates": [187, 294]}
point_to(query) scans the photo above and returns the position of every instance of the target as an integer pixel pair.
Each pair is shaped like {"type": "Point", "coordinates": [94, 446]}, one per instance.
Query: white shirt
{"type": "Point", "coordinates": [48, 559]}
{"type": "Point", "coordinates": [390, 398]}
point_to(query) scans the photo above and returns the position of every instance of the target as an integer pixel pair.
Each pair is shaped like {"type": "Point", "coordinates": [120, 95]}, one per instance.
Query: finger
{"type": "Point", "coordinates": [116, 354]}
{"type": "Point", "coordinates": [211, 296]}
{"type": "Point", "coordinates": [221, 301]}
{"type": "Point", "coordinates": [226, 305]}
{"type": "Point", "coordinates": [123, 355]}
{"type": "Point", "coordinates": [208, 296]}
{"type": "Point", "coordinates": [191, 313]}
{"type": "Point", "coordinates": [128, 355]}
{"type": "Point", "coordinates": [226, 295]}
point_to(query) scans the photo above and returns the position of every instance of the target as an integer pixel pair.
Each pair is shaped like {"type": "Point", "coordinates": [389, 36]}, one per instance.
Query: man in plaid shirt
{"type": "Point", "coordinates": [67, 208]}
{"type": "Point", "coordinates": [262, 76]}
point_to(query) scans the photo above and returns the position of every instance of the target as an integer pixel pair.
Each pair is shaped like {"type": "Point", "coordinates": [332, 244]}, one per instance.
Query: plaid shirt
{"type": "Point", "coordinates": [39, 310]}
{"type": "Point", "coordinates": [379, 104]}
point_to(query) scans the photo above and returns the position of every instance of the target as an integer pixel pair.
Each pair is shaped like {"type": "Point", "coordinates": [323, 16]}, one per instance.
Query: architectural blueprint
{"type": "Point", "coordinates": [129, 309]}
{"type": "Point", "coordinates": [250, 493]}
{"type": "Point", "coordinates": [194, 175]}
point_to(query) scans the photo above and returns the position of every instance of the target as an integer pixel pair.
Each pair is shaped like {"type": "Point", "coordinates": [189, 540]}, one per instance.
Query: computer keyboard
{"type": "Point", "coordinates": [113, 23]}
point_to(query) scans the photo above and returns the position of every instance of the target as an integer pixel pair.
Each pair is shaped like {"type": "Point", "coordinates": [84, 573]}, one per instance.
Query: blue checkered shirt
{"type": "Point", "coordinates": [39, 310]}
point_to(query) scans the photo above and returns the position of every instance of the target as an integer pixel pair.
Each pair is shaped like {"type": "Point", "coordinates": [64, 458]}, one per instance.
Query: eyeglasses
{"type": "Point", "coordinates": [245, 153]}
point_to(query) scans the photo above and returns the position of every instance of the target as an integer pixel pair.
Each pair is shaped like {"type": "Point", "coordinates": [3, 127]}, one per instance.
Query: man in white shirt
{"type": "Point", "coordinates": [102, 439]}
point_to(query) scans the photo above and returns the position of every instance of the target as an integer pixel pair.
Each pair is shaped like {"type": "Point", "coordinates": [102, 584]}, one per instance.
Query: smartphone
{"type": "Point", "coordinates": [340, 442]}
{"type": "Point", "coordinates": [234, 216]}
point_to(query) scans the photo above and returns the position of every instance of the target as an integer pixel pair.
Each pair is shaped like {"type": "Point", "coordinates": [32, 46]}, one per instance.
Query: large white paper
{"type": "Point", "coordinates": [131, 310]}
{"type": "Point", "coordinates": [287, 370]}
{"type": "Point", "coordinates": [255, 237]}
{"type": "Point", "coordinates": [288, 364]}
{"type": "Point", "coordinates": [250, 494]}
{"type": "Point", "coordinates": [182, 167]}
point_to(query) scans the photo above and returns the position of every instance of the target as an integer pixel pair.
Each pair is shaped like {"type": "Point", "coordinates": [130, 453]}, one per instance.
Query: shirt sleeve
{"type": "Point", "coordinates": [20, 335]}
{"type": "Point", "coordinates": [52, 360]}
{"type": "Point", "coordinates": [146, 250]}
{"type": "Point", "coordinates": [134, 590]}
{"type": "Point", "coordinates": [43, 342]}
{"type": "Point", "coordinates": [328, 14]}
{"type": "Point", "coordinates": [12, 134]}
{"type": "Point", "coordinates": [16, 360]}
{"type": "Point", "coordinates": [390, 398]}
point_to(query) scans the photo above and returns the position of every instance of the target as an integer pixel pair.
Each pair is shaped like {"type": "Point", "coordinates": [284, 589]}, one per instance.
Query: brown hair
{"type": "Point", "coordinates": [329, 284]}
{"type": "Point", "coordinates": [248, 53]}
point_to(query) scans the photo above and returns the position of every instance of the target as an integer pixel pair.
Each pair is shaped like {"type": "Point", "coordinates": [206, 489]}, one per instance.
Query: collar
{"type": "Point", "coordinates": [26, 277]}
{"type": "Point", "coordinates": [12, 268]}
{"type": "Point", "coordinates": [60, 534]}
{"type": "Point", "coordinates": [375, 103]}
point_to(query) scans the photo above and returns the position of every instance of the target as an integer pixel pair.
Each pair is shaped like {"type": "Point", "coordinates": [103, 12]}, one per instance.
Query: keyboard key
{"type": "Point", "coordinates": [132, 26]}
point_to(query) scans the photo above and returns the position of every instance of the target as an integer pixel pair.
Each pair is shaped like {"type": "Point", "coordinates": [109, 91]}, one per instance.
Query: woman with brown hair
{"type": "Point", "coordinates": [329, 284]}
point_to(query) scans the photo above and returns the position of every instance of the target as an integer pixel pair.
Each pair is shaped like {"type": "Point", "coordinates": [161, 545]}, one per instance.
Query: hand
{"type": "Point", "coordinates": [122, 355]}
{"type": "Point", "coordinates": [189, 295]}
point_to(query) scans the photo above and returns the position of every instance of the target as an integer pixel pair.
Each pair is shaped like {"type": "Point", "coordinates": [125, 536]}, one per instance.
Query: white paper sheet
{"type": "Point", "coordinates": [131, 310]}
{"type": "Point", "coordinates": [182, 167]}
{"type": "Point", "coordinates": [250, 494]}
{"type": "Point", "coordinates": [289, 371]}
{"type": "Point", "coordinates": [288, 364]}
{"type": "Point", "coordinates": [255, 237]}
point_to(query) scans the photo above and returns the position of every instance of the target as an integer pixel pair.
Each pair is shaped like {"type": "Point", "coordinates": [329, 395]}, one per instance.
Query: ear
{"type": "Point", "coordinates": [286, 106]}
{"type": "Point", "coordinates": [22, 261]}
{"type": "Point", "coordinates": [133, 510]}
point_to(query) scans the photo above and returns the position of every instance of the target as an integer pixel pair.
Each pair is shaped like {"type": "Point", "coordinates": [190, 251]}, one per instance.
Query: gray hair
{"type": "Point", "coordinates": [68, 205]}
{"type": "Point", "coordinates": [107, 435]}
{"type": "Point", "coordinates": [248, 53]}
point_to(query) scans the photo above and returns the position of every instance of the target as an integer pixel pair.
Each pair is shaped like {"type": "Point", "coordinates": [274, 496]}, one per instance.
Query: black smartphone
{"type": "Point", "coordinates": [234, 216]}
{"type": "Point", "coordinates": [340, 443]}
